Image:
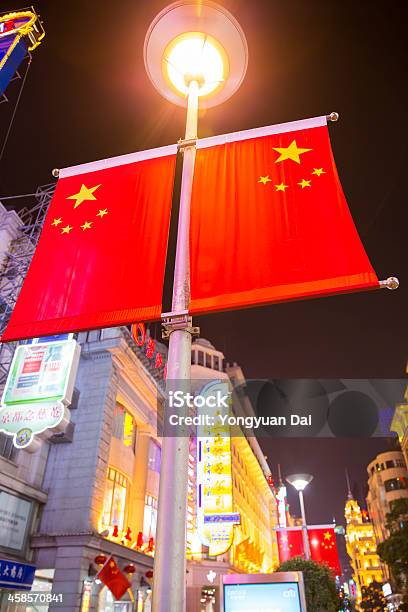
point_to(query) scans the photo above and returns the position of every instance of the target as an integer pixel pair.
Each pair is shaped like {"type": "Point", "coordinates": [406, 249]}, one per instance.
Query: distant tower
{"type": "Point", "coordinates": [361, 544]}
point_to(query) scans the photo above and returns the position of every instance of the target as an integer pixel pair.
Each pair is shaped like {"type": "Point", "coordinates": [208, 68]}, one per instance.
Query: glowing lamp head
{"type": "Point", "coordinates": [299, 481]}
{"type": "Point", "coordinates": [195, 57]}
{"type": "Point", "coordinates": [195, 41]}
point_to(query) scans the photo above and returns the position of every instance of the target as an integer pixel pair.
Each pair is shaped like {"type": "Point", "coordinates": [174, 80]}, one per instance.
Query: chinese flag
{"type": "Point", "coordinates": [323, 547]}
{"type": "Point", "coordinates": [269, 220]}
{"type": "Point", "coordinates": [101, 256]}
{"type": "Point", "coordinates": [112, 577]}
{"type": "Point", "coordinates": [290, 544]}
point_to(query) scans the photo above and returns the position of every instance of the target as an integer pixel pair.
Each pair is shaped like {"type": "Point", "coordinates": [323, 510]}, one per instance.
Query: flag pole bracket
{"type": "Point", "coordinates": [332, 117]}
{"type": "Point", "coordinates": [186, 142]}
{"type": "Point", "coordinates": [173, 321]}
{"type": "Point", "coordinates": [391, 283]}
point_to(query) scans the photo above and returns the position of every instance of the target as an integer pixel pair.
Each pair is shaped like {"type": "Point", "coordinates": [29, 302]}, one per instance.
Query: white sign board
{"type": "Point", "coordinates": [14, 517]}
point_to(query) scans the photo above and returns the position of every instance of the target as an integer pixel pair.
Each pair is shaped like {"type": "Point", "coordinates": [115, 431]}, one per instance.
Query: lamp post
{"type": "Point", "coordinates": [300, 482]}
{"type": "Point", "coordinates": [196, 55]}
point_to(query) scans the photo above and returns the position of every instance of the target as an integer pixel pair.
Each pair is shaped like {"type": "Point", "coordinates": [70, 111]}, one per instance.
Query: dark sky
{"type": "Point", "coordinates": [88, 97]}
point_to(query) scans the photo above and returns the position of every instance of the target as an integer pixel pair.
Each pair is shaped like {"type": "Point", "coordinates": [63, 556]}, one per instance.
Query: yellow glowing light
{"type": "Point", "coordinates": [195, 56]}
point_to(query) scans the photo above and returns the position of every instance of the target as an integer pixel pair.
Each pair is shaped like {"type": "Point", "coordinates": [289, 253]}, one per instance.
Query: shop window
{"type": "Point", "coordinates": [116, 500]}
{"type": "Point", "coordinates": [208, 360]}
{"type": "Point", "coordinates": [216, 360]}
{"type": "Point", "coordinates": [389, 464]}
{"type": "Point", "coordinates": [200, 358]}
{"type": "Point", "coordinates": [124, 427]}
{"type": "Point", "coordinates": [396, 484]}
{"type": "Point", "coordinates": [193, 357]}
{"type": "Point", "coordinates": [154, 456]}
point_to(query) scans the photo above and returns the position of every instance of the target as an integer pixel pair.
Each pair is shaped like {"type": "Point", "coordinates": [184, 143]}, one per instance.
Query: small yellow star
{"type": "Point", "coordinates": [318, 171]}
{"type": "Point", "coordinates": [305, 183]}
{"type": "Point", "coordinates": [103, 212]}
{"type": "Point", "coordinates": [83, 194]}
{"type": "Point", "coordinates": [281, 187]}
{"type": "Point", "coordinates": [264, 180]}
{"type": "Point", "coordinates": [86, 225]}
{"type": "Point", "coordinates": [291, 152]}
{"type": "Point", "coordinates": [57, 221]}
{"type": "Point", "coordinates": [66, 229]}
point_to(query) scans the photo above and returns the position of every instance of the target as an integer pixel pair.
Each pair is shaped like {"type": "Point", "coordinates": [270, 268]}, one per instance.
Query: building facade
{"type": "Point", "coordinates": [94, 489]}
{"type": "Point", "coordinates": [387, 482]}
{"type": "Point", "coordinates": [254, 548]}
{"type": "Point", "coordinates": [400, 425]}
{"type": "Point", "coordinates": [361, 547]}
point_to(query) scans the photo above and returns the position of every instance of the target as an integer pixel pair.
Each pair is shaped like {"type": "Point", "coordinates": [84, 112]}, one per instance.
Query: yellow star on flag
{"type": "Point", "coordinates": [318, 171]}
{"type": "Point", "coordinates": [66, 229]}
{"type": "Point", "coordinates": [327, 535]}
{"type": "Point", "coordinates": [281, 187]}
{"type": "Point", "coordinates": [86, 225]}
{"type": "Point", "coordinates": [102, 213]}
{"type": "Point", "coordinates": [292, 152]}
{"type": "Point", "coordinates": [305, 183]}
{"type": "Point", "coordinates": [56, 222]}
{"type": "Point", "coordinates": [83, 194]}
{"type": "Point", "coordinates": [264, 180]}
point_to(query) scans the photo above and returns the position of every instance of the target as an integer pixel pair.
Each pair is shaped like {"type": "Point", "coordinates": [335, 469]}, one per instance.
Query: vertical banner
{"type": "Point", "coordinates": [215, 516]}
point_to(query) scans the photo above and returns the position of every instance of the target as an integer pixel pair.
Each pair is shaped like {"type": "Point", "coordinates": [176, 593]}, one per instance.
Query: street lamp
{"type": "Point", "coordinates": [195, 55]}
{"type": "Point", "coordinates": [300, 482]}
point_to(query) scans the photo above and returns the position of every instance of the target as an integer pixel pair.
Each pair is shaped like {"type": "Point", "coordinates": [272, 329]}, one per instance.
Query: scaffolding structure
{"type": "Point", "coordinates": [16, 264]}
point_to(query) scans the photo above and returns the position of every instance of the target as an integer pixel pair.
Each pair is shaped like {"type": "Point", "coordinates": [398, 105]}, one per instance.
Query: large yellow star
{"type": "Point", "coordinates": [264, 180]}
{"type": "Point", "coordinates": [292, 152]}
{"type": "Point", "coordinates": [327, 535]}
{"type": "Point", "coordinates": [83, 194]}
{"type": "Point", "coordinates": [66, 229]}
{"type": "Point", "coordinates": [86, 225]}
{"type": "Point", "coordinates": [318, 171]}
{"type": "Point", "coordinates": [305, 183]}
{"type": "Point", "coordinates": [56, 222]}
{"type": "Point", "coordinates": [281, 187]}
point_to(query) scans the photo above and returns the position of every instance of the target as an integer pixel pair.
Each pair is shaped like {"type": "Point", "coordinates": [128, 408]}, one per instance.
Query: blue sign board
{"type": "Point", "coordinates": [14, 575]}
{"type": "Point", "coordinates": [44, 339]}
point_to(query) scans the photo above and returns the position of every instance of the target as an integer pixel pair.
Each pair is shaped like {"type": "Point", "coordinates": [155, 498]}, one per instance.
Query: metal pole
{"type": "Point", "coordinates": [304, 526]}
{"type": "Point", "coordinates": [169, 576]}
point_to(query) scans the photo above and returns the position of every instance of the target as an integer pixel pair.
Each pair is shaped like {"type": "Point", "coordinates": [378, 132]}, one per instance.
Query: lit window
{"type": "Point", "coordinates": [124, 427]}
{"type": "Point", "coordinates": [115, 502]}
{"type": "Point", "coordinates": [150, 518]}
{"type": "Point", "coordinates": [154, 456]}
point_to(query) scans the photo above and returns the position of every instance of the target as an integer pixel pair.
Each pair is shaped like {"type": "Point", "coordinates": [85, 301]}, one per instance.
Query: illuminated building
{"type": "Point", "coordinates": [254, 548]}
{"type": "Point", "coordinates": [387, 482]}
{"type": "Point", "coordinates": [400, 425]}
{"type": "Point", "coordinates": [361, 546]}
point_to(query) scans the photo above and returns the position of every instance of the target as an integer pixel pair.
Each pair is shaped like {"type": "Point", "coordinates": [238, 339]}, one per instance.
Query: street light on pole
{"type": "Point", "coordinates": [300, 482]}
{"type": "Point", "coordinates": [196, 55]}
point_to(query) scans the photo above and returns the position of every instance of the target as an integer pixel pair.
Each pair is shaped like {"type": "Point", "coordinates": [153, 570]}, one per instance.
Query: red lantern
{"type": "Point", "coordinates": [150, 348]}
{"type": "Point", "coordinates": [128, 536]}
{"type": "Point", "coordinates": [150, 545]}
{"type": "Point", "coordinates": [100, 559]}
{"type": "Point", "coordinates": [139, 333]}
{"type": "Point", "coordinates": [149, 574]}
{"type": "Point", "coordinates": [139, 542]}
{"type": "Point", "coordinates": [129, 569]}
{"type": "Point", "coordinates": [115, 533]}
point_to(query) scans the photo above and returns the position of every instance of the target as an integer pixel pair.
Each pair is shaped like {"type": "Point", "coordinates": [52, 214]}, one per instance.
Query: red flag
{"type": "Point", "coordinates": [323, 547]}
{"type": "Point", "coordinates": [101, 256]}
{"type": "Point", "coordinates": [269, 220]}
{"type": "Point", "coordinates": [290, 544]}
{"type": "Point", "coordinates": [112, 577]}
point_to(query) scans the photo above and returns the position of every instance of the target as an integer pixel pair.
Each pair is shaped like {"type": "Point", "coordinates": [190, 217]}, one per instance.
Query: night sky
{"type": "Point", "coordinates": [87, 97]}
